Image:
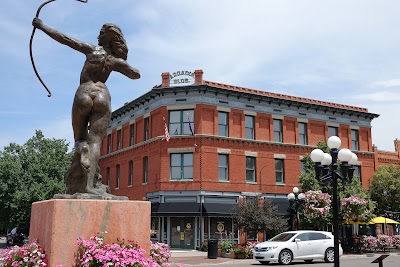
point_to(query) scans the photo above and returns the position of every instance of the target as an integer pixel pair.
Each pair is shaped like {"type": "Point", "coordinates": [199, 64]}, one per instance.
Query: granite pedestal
{"type": "Point", "coordinates": [56, 224]}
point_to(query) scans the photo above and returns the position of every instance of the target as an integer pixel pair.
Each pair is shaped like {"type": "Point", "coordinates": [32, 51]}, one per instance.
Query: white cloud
{"type": "Point", "coordinates": [387, 83]}
{"type": "Point", "coordinates": [382, 96]}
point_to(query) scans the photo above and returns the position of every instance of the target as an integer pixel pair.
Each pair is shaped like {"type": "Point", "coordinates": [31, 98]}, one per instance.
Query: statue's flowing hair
{"type": "Point", "coordinates": [117, 41]}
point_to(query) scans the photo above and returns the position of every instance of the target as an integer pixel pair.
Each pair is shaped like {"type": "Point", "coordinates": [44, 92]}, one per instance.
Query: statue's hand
{"type": "Point", "coordinates": [37, 23]}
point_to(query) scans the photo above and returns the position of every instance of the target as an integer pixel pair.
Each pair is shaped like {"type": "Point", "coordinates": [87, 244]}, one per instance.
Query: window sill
{"type": "Point", "coordinates": [129, 185]}
{"type": "Point", "coordinates": [251, 182]}
{"type": "Point", "coordinates": [280, 184]}
{"type": "Point", "coordinates": [224, 181]}
{"type": "Point", "coordinates": [181, 180]}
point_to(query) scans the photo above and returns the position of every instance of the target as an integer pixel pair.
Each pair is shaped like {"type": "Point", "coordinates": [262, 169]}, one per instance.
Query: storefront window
{"type": "Point", "coordinates": [222, 228]}
{"type": "Point", "coordinates": [154, 228]}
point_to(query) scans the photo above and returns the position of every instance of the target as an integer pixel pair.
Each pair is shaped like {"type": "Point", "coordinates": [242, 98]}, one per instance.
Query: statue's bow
{"type": "Point", "coordinates": [30, 43]}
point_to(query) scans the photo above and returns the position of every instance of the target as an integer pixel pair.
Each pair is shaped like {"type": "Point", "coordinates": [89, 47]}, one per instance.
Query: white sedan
{"type": "Point", "coordinates": [304, 245]}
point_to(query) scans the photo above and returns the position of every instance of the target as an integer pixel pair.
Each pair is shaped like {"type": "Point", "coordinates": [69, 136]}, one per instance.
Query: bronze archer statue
{"type": "Point", "coordinates": [91, 110]}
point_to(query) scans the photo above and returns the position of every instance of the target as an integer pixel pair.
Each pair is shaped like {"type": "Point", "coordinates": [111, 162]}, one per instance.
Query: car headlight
{"type": "Point", "coordinates": [271, 248]}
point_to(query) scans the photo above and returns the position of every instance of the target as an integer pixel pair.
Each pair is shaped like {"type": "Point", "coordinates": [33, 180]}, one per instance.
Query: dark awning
{"type": "Point", "coordinates": [218, 209]}
{"type": "Point", "coordinates": [175, 209]}
{"type": "Point", "coordinates": [282, 205]}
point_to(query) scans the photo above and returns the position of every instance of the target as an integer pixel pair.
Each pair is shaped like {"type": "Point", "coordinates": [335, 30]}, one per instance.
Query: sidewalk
{"type": "Point", "coordinates": [199, 258]}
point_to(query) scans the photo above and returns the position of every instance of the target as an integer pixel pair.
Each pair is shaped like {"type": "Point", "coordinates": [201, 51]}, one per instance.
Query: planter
{"type": "Point", "coordinates": [239, 256]}
{"type": "Point", "coordinates": [226, 255]}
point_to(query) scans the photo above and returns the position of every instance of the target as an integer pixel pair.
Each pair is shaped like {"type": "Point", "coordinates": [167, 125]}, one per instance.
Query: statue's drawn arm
{"type": "Point", "coordinates": [64, 39]}
{"type": "Point", "coordinates": [124, 68]}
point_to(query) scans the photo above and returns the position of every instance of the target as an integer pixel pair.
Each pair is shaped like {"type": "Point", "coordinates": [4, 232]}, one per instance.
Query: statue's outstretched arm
{"type": "Point", "coordinates": [124, 68]}
{"type": "Point", "coordinates": [63, 38]}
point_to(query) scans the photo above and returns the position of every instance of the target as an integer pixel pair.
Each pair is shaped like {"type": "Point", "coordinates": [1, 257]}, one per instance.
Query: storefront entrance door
{"type": "Point", "coordinates": [182, 232]}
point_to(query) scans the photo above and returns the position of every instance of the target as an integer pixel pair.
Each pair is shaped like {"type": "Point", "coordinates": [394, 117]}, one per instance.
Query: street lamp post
{"type": "Point", "coordinates": [326, 169]}
{"type": "Point", "coordinates": [296, 200]}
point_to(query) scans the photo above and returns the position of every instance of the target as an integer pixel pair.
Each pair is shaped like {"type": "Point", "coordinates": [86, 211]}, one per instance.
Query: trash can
{"type": "Point", "coordinates": [212, 249]}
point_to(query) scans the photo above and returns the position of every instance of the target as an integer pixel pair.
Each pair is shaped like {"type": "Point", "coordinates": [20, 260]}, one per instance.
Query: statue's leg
{"type": "Point", "coordinates": [76, 177]}
{"type": "Point", "coordinates": [81, 110]}
{"type": "Point", "coordinates": [99, 121]}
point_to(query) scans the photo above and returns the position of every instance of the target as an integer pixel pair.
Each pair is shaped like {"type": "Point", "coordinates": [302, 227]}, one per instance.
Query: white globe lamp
{"type": "Point", "coordinates": [345, 155]}
{"type": "Point", "coordinates": [317, 155]}
{"type": "Point", "coordinates": [327, 160]}
{"type": "Point", "coordinates": [354, 159]}
{"type": "Point", "coordinates": [334, 142]}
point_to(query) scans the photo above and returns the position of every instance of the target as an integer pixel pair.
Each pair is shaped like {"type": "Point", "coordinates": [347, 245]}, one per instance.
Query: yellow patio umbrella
{"type": "Point", "coordinates": [383, 220]}
{"type": "Point", "coordinates": [357, 222]}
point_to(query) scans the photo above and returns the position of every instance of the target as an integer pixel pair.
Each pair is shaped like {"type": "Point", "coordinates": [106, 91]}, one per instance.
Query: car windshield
{"type": "Point", "coordinates": [282, 237]}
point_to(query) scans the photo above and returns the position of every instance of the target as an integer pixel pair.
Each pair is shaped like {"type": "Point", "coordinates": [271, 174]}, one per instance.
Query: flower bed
{"type": "Point", "coordinates": [92, 253]}
{"type": "Point", "coordinates": [381, 242]}
{"type": "Point", "coordinates": [243, 250]}
{"type": "Point", "coordinates": [29, 255]}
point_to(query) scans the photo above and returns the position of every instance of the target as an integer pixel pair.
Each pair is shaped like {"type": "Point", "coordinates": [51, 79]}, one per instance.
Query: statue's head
{"type": "Point", "coordinates": [111, 36]}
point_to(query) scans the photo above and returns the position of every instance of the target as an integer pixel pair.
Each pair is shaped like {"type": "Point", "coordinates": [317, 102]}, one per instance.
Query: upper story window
{"type": "Point", "coordinates": [302, 167]}
{"type": "Point", "coordinates": [108, 175]}
{"type": "Point", "coordinates": [119, 139]}
{"type": "Point", "coordinates": [118, 173]}
{"type": "Point", "coordinates": [249, 125]}
{"type": "Point", "coordinates": [223, 167]}
{"type": "Point", "coordinates": [130, 180]}
{"type": "Point", "coordinates": [333, 131]}
{"type": "Point", "coordinates": [109, 143]}
{"type": "Point", "coordinates": [132, 134]}
{"type": "Point", "coordinates": [357, 172]}
{"type": "Point", "coordinates": [279, 171]}
{"type": "Point", "coordinates": [302, 133]}
{"type": "Point", "coordinates": [250, 169]}
{"type": "Point", "coordinates": [222, 123]}
{"type": "Point", "coordinates": [146, 128]}
{"type": "Point", "coordinates": [145, 169]}
{"type": "Point", "coordinates": [181, 122]}
{"type": "Point", "coordinates": [354, 140]}
{"type": "Point", "coordinates": [181, 166]}
{"type": "Point", "coordinates": [278, 131]}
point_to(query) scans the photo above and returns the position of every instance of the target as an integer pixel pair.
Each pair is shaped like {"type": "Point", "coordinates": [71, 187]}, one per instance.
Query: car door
{"type": "Point", "coordinates": [319, 242]}
{"type": "Point", "coordinates": [303, 247]}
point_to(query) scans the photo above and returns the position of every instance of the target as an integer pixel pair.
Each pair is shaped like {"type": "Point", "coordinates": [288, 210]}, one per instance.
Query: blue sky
{"type": "Point", "coordinates": [346, 52]}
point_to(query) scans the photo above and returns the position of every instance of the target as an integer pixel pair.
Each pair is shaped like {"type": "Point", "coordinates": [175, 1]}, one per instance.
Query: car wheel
{"type": "Point", "coordinates": [264, 262]}
{"type": "Point", "coordinates": [329, 255]}
{"type": "Point", "coordinates": [285, 257]}
{"type": "Point", "coordinates": [308, 261]}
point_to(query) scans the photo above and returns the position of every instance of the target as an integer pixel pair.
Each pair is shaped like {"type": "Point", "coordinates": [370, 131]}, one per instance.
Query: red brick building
{"type": "Point", "coordinates": [226, 143]}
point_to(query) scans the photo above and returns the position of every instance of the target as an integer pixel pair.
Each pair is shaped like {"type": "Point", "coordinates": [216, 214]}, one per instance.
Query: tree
{"type": "Point", "coordinates": [307, 178]}
{"type": "Point", "coordinates": [258, 214]}
{"type": "Point", "coordinates": [29, 173]}
{"type": "Point", "coordinates": [385, 189]}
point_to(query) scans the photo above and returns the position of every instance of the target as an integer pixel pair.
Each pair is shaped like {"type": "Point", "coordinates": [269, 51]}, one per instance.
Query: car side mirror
{"type": "Point", "coordinates": [297, 240]}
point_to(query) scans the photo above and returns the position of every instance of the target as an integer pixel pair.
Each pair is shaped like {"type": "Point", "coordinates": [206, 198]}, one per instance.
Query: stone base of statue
{"type": "Point", "coordinates": [56, 225]}
{"type": "Point", "coordinates": [104, 196]}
